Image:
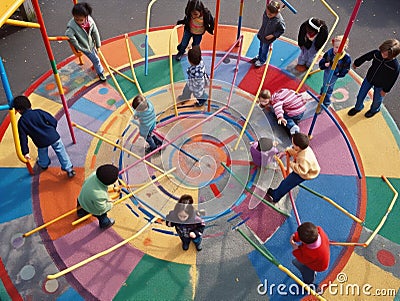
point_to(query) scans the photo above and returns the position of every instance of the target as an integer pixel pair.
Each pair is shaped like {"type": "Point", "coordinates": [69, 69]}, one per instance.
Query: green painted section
{"type": "Point", "coordinates": [96, 151]}
{"type": "Point", "coordinates": [3, 293]}
{"type": "Point", "coordinates": [392, 125]}
{"type": "Point", "coordinates": [315, 81]}
{"type": "Point", "coordinates": [156, 279]}
{"type": "Point", "coordinates": [139, 42]}
{"type": "Point", "coordinates": [379, 198]}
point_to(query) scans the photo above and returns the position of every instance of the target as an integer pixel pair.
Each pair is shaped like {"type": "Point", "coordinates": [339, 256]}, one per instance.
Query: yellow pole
{"type": "Point", "coordinates": [117, 146]}
{"type": "Point", "coordinates": [115, 81]}
{"type": "Point", "coordinates": [387, 212]}
{"type": "Point", "coordinates": [322, 48]}
{"type": "Point", "coordinates": [17, 144]}
{"type": "Point", "coordinates": [128, 49]}
{"type": "Point", "coordinates": [22, 23]}
{"type": "Point", "coordinates": [74, 223]}
{"type": "Point", "coordinates": [347, 244]}
{"type": "Point", "coordinates": [98, 255]}
{"type": "Point", "coordinates": [49, 223]}
{"type": "Point", "coordinates": [255, 99]}
{"type": "Point", "coordinates": [122, 74]}
{"type": "Point", "coordinates": [171, 68]}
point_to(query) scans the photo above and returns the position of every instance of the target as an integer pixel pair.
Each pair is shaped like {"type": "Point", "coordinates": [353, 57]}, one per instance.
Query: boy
{"type": "Point", "coordinates": [272, 27]}
{"type": "Point", "coordinates": [312, 254]}
{"type": "Point", "coordinates": [288, 106]}
{"type": "Point", "coordinates": [93, 197]}
{"type": "Point", "coordinates": [196, 78]}
{"type": "Point", "coordinates": [305, 167]}
{"type": "Point", "coordinates": [342, 67]}
{"type": "Point", "coordinates": [144, 112]}
{"type": "Point", "coordinates": [41, 127]}
{"type": "Point", "coordinates": [381, 76]}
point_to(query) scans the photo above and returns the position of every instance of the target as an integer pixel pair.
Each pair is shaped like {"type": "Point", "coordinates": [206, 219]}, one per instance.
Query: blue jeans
{"type": "Point", "coordinates": [263, 52]}
{"type": "Point", "coordinates": [287, 184]}
{"type": "Point", "coordinates": [94, 58]}
{"type": "Point", "coordinates": [293, 120]}
{"type": "Point", "coordinates": [362, 93]}
{"type": "Point", "coordinates": [307, 55]}
{"type": "Point", "coordinates": [103, 219]}
{"type": "Point", "coordinates": [59, 149]}
{"type": "Point", "coordinates": [307, 274]}
{"type": "Point", "coordinates": [329, 91]}
{"type": "Point", "coordinates": [153, 141]}
{"type": "Point", "coordinates": [186, 94]}
{"type": "Point", "coordinates": [185, 41]}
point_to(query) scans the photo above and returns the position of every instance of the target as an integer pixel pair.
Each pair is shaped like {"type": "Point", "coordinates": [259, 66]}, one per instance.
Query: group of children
{"type": "Point", "coordinates": [310, 243]}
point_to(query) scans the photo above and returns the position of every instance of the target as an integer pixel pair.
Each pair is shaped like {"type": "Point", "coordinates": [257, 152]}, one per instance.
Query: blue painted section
{"type": "Point", "coordinates": [15, 187]}
{"type": "Point", "coordinates": [70, 294]}
{"type": "Point", "coordinates": [283, 53]}
{"type": "Point", "coordinates": [340, 189]}
{"type": "Point", "coordinates": [93, 110]}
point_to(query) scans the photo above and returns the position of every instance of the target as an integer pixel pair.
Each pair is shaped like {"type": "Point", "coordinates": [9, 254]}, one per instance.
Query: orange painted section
{"type": "Point", "coordinates": [116, 53]}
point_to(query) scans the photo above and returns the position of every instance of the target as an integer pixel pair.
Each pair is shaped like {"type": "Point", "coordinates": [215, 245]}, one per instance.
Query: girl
{"type": "Point", "coordinates": [273, 26]}
{"type": "Point", "coordinates": [263, 151]}
{"type": "Point", "coordinates": [312, 36]}
{"type": "Point", "coordinates": [84, 36]}
{"type": "Point", "coordinates": [187, 223]}
{"type": "Point", "coordinates": [197, 21]}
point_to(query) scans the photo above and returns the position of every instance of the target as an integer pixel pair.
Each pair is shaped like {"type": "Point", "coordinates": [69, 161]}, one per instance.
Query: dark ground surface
{"type": "Point", "coordinates": [25, 59]}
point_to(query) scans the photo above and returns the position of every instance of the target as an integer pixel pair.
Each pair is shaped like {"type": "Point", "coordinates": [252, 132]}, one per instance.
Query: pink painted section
{"type": "Point", "coordinates": [104, 276]}
{"type": "Point", "coordinates": [329, 147]}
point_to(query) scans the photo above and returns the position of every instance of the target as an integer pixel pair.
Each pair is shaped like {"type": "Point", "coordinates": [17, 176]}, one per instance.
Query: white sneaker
{"type": "Point", "coordinates": [295, 129]}
{"type": "Point", "coordinates": [258, 63]}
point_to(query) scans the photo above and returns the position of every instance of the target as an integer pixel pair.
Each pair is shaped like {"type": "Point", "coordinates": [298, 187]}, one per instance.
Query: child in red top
{"type": "Point", "coordinates": [312, 254]}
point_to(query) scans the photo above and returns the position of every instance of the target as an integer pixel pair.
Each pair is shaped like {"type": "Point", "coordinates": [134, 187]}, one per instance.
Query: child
{"type": "Point", "coordinates": [312, 254]}
{"type": "Point", "coordinates": [93, 197]}
{"type": "Point", "coordinates": [381, 76]}
{"type": "Point", "coordinates": [187, 223]}
{"type": "Point", "coordinates": [84, 36]}
{"type": "Point", "coordinates": [263, 151]}
{"type": "Point", "coordinates": [288, 107]}
{"type": "Point", "coordinates": [196, 78]}
{"type": "Point", "coordinates": [197, 21]}
{"type": "Point", "coordinates": [272, 27]}
{"type": "Point", "coordinates": [42, 128]}
{"type": "Point", "coordinates": [305, 167]}
{"type": "Point", "coordinates": [342, 67]}
{"type": "Point", "coordinates": [144, 112]}
{"type": "Point", "coordinates": [313, 34]}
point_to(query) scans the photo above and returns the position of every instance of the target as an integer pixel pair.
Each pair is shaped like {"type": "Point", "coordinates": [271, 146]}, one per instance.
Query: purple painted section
{"type": "Point", "coordinates": [329, 147]}
{"type": "Point", "coordinates": [264, 220]}
{"type": "Point", "coordinates": [104, 276]}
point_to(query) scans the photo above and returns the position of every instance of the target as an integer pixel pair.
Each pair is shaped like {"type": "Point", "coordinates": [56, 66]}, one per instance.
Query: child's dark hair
{"type": "Point", "coordinates": [314, 25]}
{"type": "Point", "coordinates": [194, 55]}
{"type": "Point", "coordinates": [301, 140]}
{"type": "Point", "coordinates": [392, 46]}
{"type": "Point", "coordinates": [308, 232]}
{"type": "Point", "coordinates": [186, 199]}
{"type": "Point", "coordinates": [266, 94]}
{"type": "Point", "coordinates": [21, 103]}
{"type": "Point", "coordinates": [188, 208]}
{"type": "Point", "coordinates": [137, 101]}
{"type": "Point", "coordinates": [82, 9]}
{"type": "Point", "coordinates": [274, 7]}
{"type": "Point", "coordinates": [194, 5]}
{"type": "Point", "coordinates": [264, 144]}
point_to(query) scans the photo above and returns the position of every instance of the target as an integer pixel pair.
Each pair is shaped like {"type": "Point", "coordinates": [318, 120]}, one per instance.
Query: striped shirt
{"type": "Point", "coordinates": [197, 25]}
{"type": "Point", "coordinates": [287, 101]}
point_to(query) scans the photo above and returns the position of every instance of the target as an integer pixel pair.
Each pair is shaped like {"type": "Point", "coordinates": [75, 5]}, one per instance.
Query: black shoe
{"type": "Point", "coordinates": [254, 59]}
{"type": "Point", "coordinates": [71, 173]}
{"type": "Point", "coordinates": [102, 77]}
{"type": "Point", "coordinates": [352, 112]}
{"type": "Point", "coordinates": [199, 104]}
{"type": "Point", "coordinates": [112, 222]}
{"type": "Point", "coordinates": [178, 56]}
{"type": "Point", "coordinates": [268, 196]}
{"type": "Point", "coordinates": [370, 114]}
{"type": "Point", "coordinates": [185, 246]}
{"type": "Point", "coordinates": [199, 247]}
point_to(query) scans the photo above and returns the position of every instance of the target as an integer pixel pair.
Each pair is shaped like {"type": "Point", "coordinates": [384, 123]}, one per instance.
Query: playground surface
{"type": "Point", "coordinates": [152, 266]}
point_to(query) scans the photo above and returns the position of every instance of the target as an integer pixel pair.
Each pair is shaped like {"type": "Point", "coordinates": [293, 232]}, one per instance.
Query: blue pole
{"type": "Point", "coordinates": [146, 55]}
{"type": "Point", "coordinates": [6, 86]}
{"type": "Point", "coordinates": [289, 6]}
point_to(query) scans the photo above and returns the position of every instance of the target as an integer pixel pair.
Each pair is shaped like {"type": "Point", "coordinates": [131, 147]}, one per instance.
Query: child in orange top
{"type": "Point", "coordinates": [305, 167]}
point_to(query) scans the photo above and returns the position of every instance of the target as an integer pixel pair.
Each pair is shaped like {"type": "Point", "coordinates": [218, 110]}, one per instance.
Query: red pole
{"type": "Point", "coordinates": [53, 66]}
{"type": "Point", "coordinates": [350, 24]}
